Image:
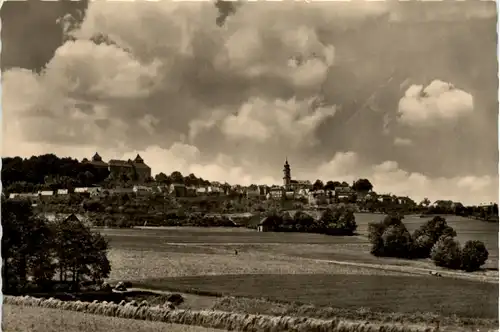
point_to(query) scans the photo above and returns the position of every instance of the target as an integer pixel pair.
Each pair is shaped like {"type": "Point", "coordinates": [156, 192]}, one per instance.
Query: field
{"type": "Point", "coordinates": [36, 319]}
{"type": "Point", "coordinates": [314, 269]}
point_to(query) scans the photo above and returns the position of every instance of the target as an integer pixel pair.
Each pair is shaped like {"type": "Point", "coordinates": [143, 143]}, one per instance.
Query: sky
{"type": "Point", "coordinates": [402, 93]}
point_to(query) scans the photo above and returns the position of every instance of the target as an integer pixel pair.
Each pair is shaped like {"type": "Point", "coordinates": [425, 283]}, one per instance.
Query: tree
{"type": "Point", "coordinates": [330, 185]}
{"type": "Point", "coordinates": [176, 177]}
{"type": "Point", "coordinates": [363, 185]}
{"type": "Point", "coordinates": [446, 252]}
{"type": "Point", "coordinates": [474, 254]}
{"type": "Point", "coordinates": [426, 202]}
{"type": "Point", "coordinates": [26, 245]}
{"type": "Point", "coordinates": [34, 248]}
{"type": "Point", "coordinates": [428, 234]}
{"type": "Point", "coordinates": [80, 253]}
{"type": "Point", "coordinates": [161, 178]}
{"type": "Point", "coordinates": [397, 241]}
{"type": "Point", "coordinates": [318, 185]}
{"type": "Point", "coordinates": [376, 231]}
{"type": "Point", "coordinates": [303, 221]}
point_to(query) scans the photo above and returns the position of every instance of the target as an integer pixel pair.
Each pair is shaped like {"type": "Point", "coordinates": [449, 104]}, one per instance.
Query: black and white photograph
{"type": "Point", "coordinates": [274, 166]}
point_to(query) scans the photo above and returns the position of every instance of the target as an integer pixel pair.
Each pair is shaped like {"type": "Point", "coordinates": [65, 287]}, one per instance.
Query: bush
{"type": "Point", "coordinates": [428, 234]}
{"type": "Point", "coordinates": [390, 238]}
{"type": "Point", "coordinates": [474, 254]}
{"type": "Point", "coordinates": [397, 241]}
{"type": "Point", "coordinates": [446, 252]}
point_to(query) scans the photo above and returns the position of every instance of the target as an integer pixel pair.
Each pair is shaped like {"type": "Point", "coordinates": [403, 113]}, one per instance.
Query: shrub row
{"type": "Point", "coordinates": [434, 239]}
{"type": "Point", "coordinates": [210, 318]}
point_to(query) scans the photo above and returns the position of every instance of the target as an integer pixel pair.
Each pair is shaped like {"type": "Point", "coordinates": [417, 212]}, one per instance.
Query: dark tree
{"type": "Point", "coordinates": [318, 185]}
{"type": "Point", "coordinates": [428, 234]}
{"type": "Point", "coordinates": [330, 185]}
{"type": "Point", "coordinates": [363, 185]}
{"type": "Point", "coordinates": [446, 253]}
{"type": "Point", "coordinates": [389, 237]}
{"type": "Point", "coordinates": [176, 177]}
{"type": "Point", "coordinates": [26, 245]}
{"type": "Point", "coordinates": [474, 254]}
{"type": "Point", "coordinates": [162, 178]}
{"type": "Point", "coordinates": [80, 254]}
{"type": "Point", "coordinates": [33, 248]}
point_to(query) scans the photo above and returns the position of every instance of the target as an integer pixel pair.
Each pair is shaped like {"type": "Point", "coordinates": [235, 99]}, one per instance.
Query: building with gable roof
{"type": "Point", "coordinates": [136, 167]}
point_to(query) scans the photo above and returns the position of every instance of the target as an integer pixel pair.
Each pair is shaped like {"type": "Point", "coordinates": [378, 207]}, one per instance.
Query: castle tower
{"type": "Point", "coordinates": [287, 175]}
{"type": "Point", "coordinates": [139, 160]}
{"type": "Point", "coordinates": [96, 157]}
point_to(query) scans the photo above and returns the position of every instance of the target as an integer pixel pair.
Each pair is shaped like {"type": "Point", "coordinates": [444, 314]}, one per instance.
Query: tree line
{"type": "Point", "coordinates": [38, 254]}
{"type": "Point", "coordinates": [360, 185]}
{"type": "Point", "coordinates": [49, 172]}
{"type": "Point", "coordinates": [339, 221]}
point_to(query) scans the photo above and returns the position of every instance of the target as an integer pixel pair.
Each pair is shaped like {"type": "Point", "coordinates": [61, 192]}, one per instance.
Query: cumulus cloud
{"type": "Point", "coordinates": [262, 121]}
{"type": "Point", "coordinates": [439, 101]}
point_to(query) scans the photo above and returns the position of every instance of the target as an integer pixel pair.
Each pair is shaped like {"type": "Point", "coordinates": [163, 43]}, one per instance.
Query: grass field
{"type": "Point", "coordinates": [306, 268]}
{"type": "Point", "coordinates": [36, 319]}
{"type": "Point", "coordinates": [383, 293]}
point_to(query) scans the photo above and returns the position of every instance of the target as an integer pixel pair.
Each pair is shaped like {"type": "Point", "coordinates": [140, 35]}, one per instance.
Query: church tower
{"type": "Point", "coordinates": [287, 176]}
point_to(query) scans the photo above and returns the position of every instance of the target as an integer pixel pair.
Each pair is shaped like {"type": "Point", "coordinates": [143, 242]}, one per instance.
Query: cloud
{"type": "Point", "coordinates": [231, 102]}
{"type": "Point", "coordinates": [400, 141]}
{"type": "Point", "coordinates": [291, 121]}
{"type": "Point", "coordinates": [439, 101]}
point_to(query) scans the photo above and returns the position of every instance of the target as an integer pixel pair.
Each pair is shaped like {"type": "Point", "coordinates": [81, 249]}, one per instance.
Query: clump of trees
{"type": "Point", "coordinates": [36, 252]}
{"type": "Point", "coordinates": [340, 221]}
{"type": "Point", "coordinates": [435, 239]}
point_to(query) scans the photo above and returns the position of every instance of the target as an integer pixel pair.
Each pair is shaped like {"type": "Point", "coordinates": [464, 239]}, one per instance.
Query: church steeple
{"type": "Point", "coordinates": [287, 175]}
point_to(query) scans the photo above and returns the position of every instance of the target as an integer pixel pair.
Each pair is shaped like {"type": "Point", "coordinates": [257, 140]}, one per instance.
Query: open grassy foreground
{"type": "Point", "coordinates": [302, 268]}
{"type": "Point", "coordinates": [34, 319]}
{"type": "Point", "coordinates": [383, 293]}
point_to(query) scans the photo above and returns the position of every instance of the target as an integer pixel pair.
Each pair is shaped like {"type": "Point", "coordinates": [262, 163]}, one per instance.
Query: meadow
{"type": "Point", "coordinates": [36, 319]}
{"type": "Point", "coordinates": [299, 268]}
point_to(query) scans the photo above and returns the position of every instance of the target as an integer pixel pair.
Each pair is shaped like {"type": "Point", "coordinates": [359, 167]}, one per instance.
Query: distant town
{"type": "Point", "coordinates": [66, 185]}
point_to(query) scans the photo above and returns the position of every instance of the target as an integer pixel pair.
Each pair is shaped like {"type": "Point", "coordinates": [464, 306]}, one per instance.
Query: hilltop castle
{"type": "Point", "coordinates": [118, 167]}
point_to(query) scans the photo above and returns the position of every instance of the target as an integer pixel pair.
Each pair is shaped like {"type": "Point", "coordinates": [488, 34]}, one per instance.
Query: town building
{"type": "Point", "coordinates": [265, 225]}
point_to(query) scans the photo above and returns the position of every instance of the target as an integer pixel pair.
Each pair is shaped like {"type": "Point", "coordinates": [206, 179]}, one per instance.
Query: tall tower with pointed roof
{"type": "Point", "coordinates": [287, 175]}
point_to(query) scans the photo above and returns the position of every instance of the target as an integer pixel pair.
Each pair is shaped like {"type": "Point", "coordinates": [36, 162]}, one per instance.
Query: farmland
{"type": "Point", "coordinates": [313, 269]}
{"type": "Point", "coordinates": [36, 319]}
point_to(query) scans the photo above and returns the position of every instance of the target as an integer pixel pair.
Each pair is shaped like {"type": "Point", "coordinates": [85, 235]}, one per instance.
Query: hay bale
{"type": "Point", "coordinates": [144, 303]}
{"type": "Point", "coordinates": [122, 302]}
{"type": "Point", "coordinates": [132, 303]}
{"type": "Point", "coordinates": [217, 319]}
